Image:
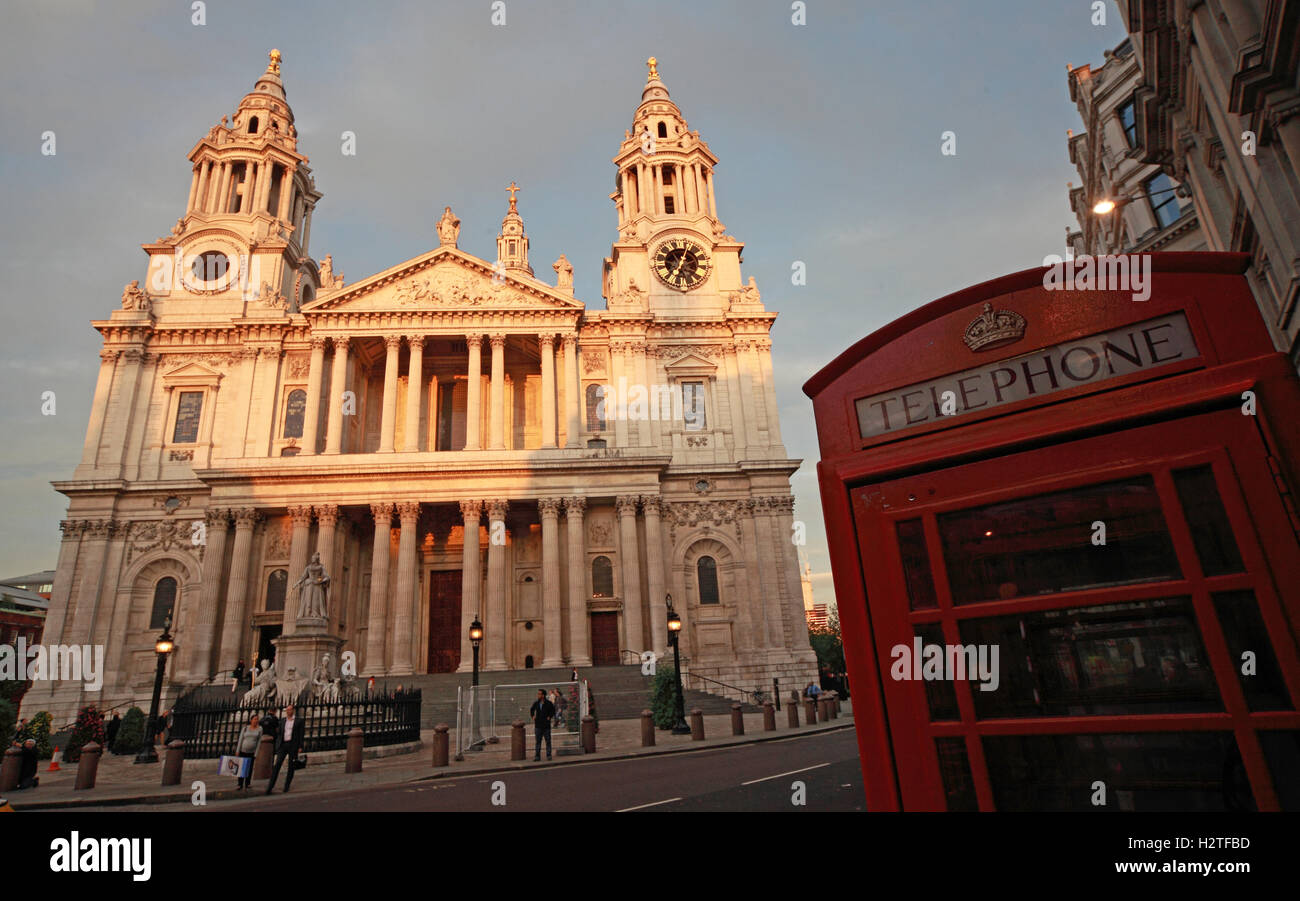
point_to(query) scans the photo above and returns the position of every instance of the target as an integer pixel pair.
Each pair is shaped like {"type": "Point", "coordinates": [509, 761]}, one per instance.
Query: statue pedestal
{"type": "Point", "coordinates": [299, 653]}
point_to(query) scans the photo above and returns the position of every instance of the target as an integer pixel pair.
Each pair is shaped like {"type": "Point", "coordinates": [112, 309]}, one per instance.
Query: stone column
{"type": "Point", "coordinates": [632, 619]}
{"type": "Point", "coordinates": [301, 519]}
{"type": "Point", "coordinates": [552, 652]}
{"type": "Point", "coordinates": [203, 630]}
{"type": "Point", "coordinates": [377, 625]}
{"type": "Point", "coordinates": [495, 624]}
{"type": "Point", "coordinates": [232, 625]}
{"type": "Point", "coordinates": [408, 513]}
{"type": "Point", "coordinates": [286, 190]}
{"type": "Point", "coordinates": [99, 406]}
{"type": "Point", "coordinates": [763, 353]}
{"type": "Point", "coordinates": [388, 422]}
{"type": "Point", "coordinates": [616, 406]}
{"type": "Point", "coordinates": [327, 517]}
{"type": "Point", "coordinates": [774, 631]}
{"type": "Point", "coordinates": [572, 392]}
{"type": "Point", "coordinates": [735, 404]}
{"type": "Point", "coordinates": [315, 375]}
{"type": "Point", "coordinates": [200, 183]}
{"type": "Point", "coordinates": [547, 343]}
{"type": "Point", "coordinates": [747, 371]}
{"type": "Point", "coordinates": [414, 386]}
{"type": "Point", "coordinates": [654, 562]}
{"type": "Point", "coordinates": [471, 581]}
{"type": "Point", "coordinates": [783, 510]}
{"type": "Point", "coordinates": [473, 389]}
{"type": "Point", "coordinates": [338, 384]}
{"type": "Point", "coordinates": [579, 635]}
{"type": "Point", "coordinates": [497, 395]}
{"type": "Point", "coordinates": [91, 566]}
{"type": "Point", "coordinates": [713, 203]}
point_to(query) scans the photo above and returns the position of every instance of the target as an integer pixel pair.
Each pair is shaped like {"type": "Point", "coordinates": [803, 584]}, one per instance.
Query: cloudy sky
{"type": "Point", "coordinates": [828, 135]}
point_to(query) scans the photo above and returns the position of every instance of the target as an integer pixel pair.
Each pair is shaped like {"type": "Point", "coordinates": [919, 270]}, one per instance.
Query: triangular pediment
{"type": "Point", "coordinates": [444, 279]}
{"type": "Point", "coordinates": [690, 363]}
{"type": "Point", "coordinates": [191, 370]}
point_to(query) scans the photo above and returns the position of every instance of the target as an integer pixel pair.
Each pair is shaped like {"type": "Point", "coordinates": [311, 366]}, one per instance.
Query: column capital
{"type": "Point", "coordinates": [319, 342]}
{"type": "Point", "coordinates": [327, 514]}
{"type": "Point", "coordinates": [246, 517]}
{"type": "Point", "coordinates": [652, 504]}
{"type": "Point", "coordinates": [546, 341]}
{"type": "Point", "coordinates": [217, 516]}
{"type": "Point", "coordinates": [472, 508]}
{"type": "Point", "coordinates": [109, 356]}
{"type": "Point", "coordinates": [496, 509]}
{"type": "Point", "coordinates": [393, 342]}
{"type": "Point", "coordinates": [340, 343]}
{"type": "Point", "coordinates": [573, 506]}
{"type": "Point", "coordinates": [474, 339]}
{"type": "Point", "coordinates": [71, 528]}
{"type": "Point", "coordinates": [497, 340]}
{"type": "Point", "coordinates": [301, 515]}
{"type": "Point", "coordinates": [99, 528]}
{"type": "Point", "coordinates": [408, 511]}
{"type": "Point", "coordinates": [570, 340]}
{"type": "Point", "coordinates": [415, 341]}
{"type": "Point", "coordinates": [549, 507]}
{"type": "Point", "coordinates": [626, 505]}
{"type": "Point", "coordinates": [382, 511]}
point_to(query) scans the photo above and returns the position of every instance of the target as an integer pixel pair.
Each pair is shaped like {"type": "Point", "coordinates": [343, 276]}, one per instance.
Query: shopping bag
{"type": "Point", "coordinates": [239, 767]}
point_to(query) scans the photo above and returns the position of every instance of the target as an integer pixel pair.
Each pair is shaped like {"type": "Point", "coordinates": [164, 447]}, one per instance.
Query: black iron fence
{"type": "Point", "coordinates": [211, 728]}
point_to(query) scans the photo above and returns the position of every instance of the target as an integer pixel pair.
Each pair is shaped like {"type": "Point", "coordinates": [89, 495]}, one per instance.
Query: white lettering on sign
{"type": "Point", "coordinates": [1096, 358]}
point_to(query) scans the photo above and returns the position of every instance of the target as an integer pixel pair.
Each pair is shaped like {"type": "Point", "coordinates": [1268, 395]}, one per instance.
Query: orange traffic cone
{"type": "Point", "coordinates": [54, 761]}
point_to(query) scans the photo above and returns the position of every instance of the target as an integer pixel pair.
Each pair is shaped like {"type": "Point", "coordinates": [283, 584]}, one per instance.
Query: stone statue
{"type": "Point", "coordinates": [632, 297]}
{"type": "Point", "coordinates": [263, 685]}
{"type": "Point", "coordinates": [563, 273]}
{"type": "Point", "coordinates": [448, 228]}
{"type": "Point", "coordinates": [134, 299]}
{"type": "Point", "coordinates": [311, 590]}
{"type": "Point", "coordinates": [327, 271]}
{"type": "Point", "coordinates": [748, 294]}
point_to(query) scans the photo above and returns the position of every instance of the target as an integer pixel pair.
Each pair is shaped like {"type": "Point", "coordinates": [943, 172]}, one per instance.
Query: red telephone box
{"type": "Point", "coordinates": [1064, 537]}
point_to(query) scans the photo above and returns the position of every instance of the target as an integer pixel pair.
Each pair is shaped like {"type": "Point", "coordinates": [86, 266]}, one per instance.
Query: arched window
{"type": "Point", "coordinates": [595, 408]}
{"type": "Point", "coordinates": [277, 585]}
{"type": "Point", "coordinates": [663, 130]}
{"type": "Point", "coordinates": [308, 294]}
{"type": "Point", "coordinates": [164, 602]}
{"type": "Point", "coordinates": [252, 126]}
{"type": "Point", "coordinates": [706, 569]}
{"type": "Point", "coordinates": [602, 578]}
{"type": "Point", "coordinates": [294, 409]}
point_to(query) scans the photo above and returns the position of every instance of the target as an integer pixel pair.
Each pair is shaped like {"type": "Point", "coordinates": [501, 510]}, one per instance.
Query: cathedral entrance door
{"type": "Point", "coordinates": [444, 621]}
{"type": "Point", "coordinates": [266, 650]}
{"type": "Point", "coordinates": [604, 639]}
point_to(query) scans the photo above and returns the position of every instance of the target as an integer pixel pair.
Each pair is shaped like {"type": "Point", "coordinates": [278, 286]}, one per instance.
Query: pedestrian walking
{"type": "Point", "coordinates": [558, 702]}
{"type": "Point", "coordinates": [288, 742]}
{"type": "Point", "coordinates": [246, 746]}
{"type": "Point", "coordinates": [237, 675]}
{"type": "Point", "coordinates": [27, 777]}
{"type": "Point", "coordinates": [269, 722]}
{"type": "Point", "coordinates": [542, 711]}
{"type": "Point", "coordinates": [110, 731]}
{"type": "Point", "coordinates": [573, 675]}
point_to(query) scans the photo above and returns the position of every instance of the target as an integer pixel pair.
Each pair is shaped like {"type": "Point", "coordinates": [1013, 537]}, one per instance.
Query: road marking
{"type": "Point", "coordinates": [791, 773]}
{"type": "Point", "coordinates": [651, 804]}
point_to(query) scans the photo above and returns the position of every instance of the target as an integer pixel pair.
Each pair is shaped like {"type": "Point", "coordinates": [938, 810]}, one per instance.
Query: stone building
{"type": "Point", "coordinates": [454, 436]}
{"type": "Point", "coordinates": [1218, 109]}
{"type": "Point", "coordinates": [1152, 212]}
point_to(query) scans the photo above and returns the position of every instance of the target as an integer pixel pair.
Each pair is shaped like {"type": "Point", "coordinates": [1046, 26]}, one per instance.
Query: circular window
{"type": "Point", "coordinates": [529, 625]}
{"type": "Point", "coordinates": [172, 503]}
{"type": "Point", "coordinates": [702, 485]}
{"type": "Point", "coordinates": [211, 266]}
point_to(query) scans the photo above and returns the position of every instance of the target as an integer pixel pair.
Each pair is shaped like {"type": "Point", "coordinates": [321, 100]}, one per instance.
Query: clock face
{"type": "Point", "coordinates": [681, 264]}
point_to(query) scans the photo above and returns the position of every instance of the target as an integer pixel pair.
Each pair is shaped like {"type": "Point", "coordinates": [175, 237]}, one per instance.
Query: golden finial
{"type": "Point", "coordinates": [654, 68]}
{"type": "Point", "coordinates": [274, 66]}
{"type": "Point", "coordinates": [512, 189]}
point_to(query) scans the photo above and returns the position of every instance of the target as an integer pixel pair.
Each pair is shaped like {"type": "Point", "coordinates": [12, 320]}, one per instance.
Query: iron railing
{"type": "Point", "coordinates": [211, 729]}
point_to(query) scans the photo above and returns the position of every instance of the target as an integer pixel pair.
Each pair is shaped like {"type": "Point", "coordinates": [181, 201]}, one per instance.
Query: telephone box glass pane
{"type": "Point", "coordinates": [1091, 537]}
{"type": "Point", "coordinates": [1208, 521]}
{"type": "Point", "coordinates": [940, 695]}
{"type": "Point", "coordinates": [1166, 771]}
{"type": "Point", "coordinates": [1282, 751]}
{"type": "Point", "coordinates": [1243, 631]}
{"type": "Point", "coordinates": [916, 565]}
{"type": "Point", "coordinates": [1144, 657]}
{"type": "Point", "coordinates": [954, 764]}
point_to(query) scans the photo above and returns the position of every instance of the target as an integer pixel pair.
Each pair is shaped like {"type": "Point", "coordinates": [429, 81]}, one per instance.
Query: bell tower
{"type": "Point", "coordinates": [247, 222]}
{"type": "Point", "coordinates": [672, 253]}
{"type": "Point", "coordinates": [512, 243]}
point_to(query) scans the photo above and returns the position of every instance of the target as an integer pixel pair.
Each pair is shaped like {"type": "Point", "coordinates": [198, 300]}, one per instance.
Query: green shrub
{"type": "Point", "coordinates": [130, 735]}
{"type": "Point", "coordinates": [8, 717]}
{"type": "Point", "coordinates": [38, 727]}
{"type": "Point", "coordinates": [12, 689]}
{"type": "Point", "coordinates": [663, 697]}
{"type": "Point", "coordinates": [89, 727]}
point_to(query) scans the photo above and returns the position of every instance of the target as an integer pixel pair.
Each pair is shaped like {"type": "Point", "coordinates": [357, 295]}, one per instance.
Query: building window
{"type": "Point", "coordinates": [308, 294]}
{"type": "Point", "coordinates": [188, 408]}
{"type": "Point", "coordinates": [164, 601]}
{"type": "Point", "coordinates": [295, 408]}
{"type": "Point", "coordinates": [1128, 119]}
{"type": "Point", "coordinates": [252, 126]}
{"type": "Point", "coordinates": [210, 266]}
{"type": "Point", "coordinates": [669, 209]}
{"type": "Point", "coordinates": [277, 586]}
{"type": "Point", "coordinates": [602, 578]}
{"type": "Point", "coordinates": [595, 408]}
{"type": "Point", "coordinates": [706, 570]}
{"type": "Point", "coordinates": [663, 130]}
{"type": "Point", "coordinates": [693, 406]}
{"type": "Point", "coordinates": [1164, 202]}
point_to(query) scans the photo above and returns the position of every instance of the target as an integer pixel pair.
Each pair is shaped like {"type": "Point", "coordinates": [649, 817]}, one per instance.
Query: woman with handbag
{"type": "Point", "coordinates": [246, 746]}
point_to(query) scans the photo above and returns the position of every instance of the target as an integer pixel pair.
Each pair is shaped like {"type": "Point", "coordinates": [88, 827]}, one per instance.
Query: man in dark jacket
{"type": "Point", "coordinates": [288, 742]}
{"type": "Point", "coordinates": [111, 732]}
{"type": "Point", "coordinates": [27, 777]}
{"type": "Point", "coordinates": [542, 712]}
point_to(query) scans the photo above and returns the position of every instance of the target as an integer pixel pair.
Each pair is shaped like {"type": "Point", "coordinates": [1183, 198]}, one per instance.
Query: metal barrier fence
{"type": "Point", "coordinates": [485, 713]}
{"type": "Point", "coordinates": [210, 729]}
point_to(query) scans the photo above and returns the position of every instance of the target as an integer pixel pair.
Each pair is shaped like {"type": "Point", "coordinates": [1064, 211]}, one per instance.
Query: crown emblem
{"type": "Point", "coordinates": [993, 328]}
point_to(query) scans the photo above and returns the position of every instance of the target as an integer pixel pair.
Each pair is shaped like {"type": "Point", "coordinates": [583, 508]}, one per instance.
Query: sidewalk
{"type": "Point", "coordinates": [121, 781]}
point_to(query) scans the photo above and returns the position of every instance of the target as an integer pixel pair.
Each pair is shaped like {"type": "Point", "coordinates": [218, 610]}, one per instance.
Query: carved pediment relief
{"type": "Point", "coordinates": [446, 279]}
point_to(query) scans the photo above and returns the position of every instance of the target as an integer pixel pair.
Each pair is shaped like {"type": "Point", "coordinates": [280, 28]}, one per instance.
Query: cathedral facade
{"type": "Point", "coordinates": [456, 438]}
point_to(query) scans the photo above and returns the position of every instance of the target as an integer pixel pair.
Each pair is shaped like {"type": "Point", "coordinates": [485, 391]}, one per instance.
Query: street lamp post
{"type": "Point", "coordinates": [674, 630]}
{"type": "Point", "coordinates": [475, 637]}
{"type": "Point", "coordinates": [163, 647]}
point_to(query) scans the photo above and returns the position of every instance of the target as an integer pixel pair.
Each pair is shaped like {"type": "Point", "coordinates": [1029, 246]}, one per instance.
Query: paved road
{"type": "Point", "coordinates": [753, 777]}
